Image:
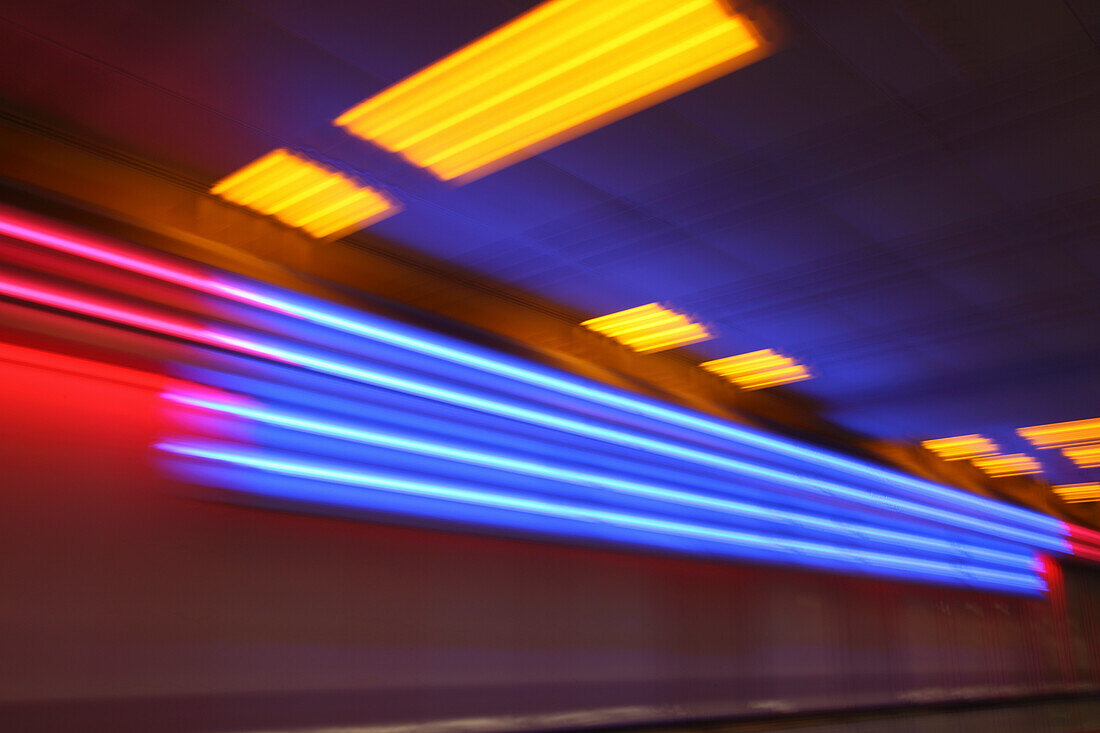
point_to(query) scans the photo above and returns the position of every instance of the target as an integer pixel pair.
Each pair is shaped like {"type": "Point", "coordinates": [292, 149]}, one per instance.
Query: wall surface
{"type": "Point", "coordinates": [129, 606]}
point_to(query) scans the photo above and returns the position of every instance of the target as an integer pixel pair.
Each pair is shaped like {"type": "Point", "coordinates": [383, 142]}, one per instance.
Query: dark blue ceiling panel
{"type": "Point", "coordinates": [905, 195]}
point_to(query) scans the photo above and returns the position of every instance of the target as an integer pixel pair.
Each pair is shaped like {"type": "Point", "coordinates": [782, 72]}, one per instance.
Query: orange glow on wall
{"type": "Point", "coordinates": [1077, 493]}
{"type": "Point", "coordinates": [1084, 456]}
{"type": "Point", "coordinates": [758, 369]}
{"type": "Point", "coordinates": [1057, 435]}
{"type": "Point", "coordinates": [1011, 464]}
{"type": "Point", "coordinates": [304, 194]}
{"type": "Point", "coordinates": [551, 74]}
{"type": "Point", "coordinates": [650, 327]}
{"type": "Point", "coordinates": [961, 447]}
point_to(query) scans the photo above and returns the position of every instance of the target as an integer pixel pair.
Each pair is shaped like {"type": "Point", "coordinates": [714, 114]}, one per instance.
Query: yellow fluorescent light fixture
{"type": "Point", "coordinates": [1077, 493]}
{"type": "Point", "coordinates": [650, 327]}
{"type": "Point", "coordinates": [1011, 464]}
{"type": "Point", "coordinates": [961, 446]}
{"type": "Point", "coordinates": [758, 369]}
{"type": "Point", "coordinates": [555, 72]}
{"type": "Point", "coordinates": [304, 194]}
{"type": "Point", "coordinates": [1056, 435]}
{"type": "Point", "coordinates": [1085, 456]}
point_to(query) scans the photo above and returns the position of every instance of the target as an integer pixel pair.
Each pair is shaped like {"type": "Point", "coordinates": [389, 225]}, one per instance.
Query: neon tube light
{"type": "Point", "coordinates": [1084, 456]}
{"type": "Point", "coordinates": [305, 194]}
{"type": "Point", "coordinates": [1061, 434]}
{"type": "Point", "coordinates": [542, 77]}
{"type": "Point", "coordinates": [758, 369]}
{"type": "Point", "coordinates": [1011, 464]}
{"type": "Point", "coordinates": [648, 328]}
{"type": "Point", "coordinates": [582, 478]}
{"type": "Point", "coordinates": [17, 226]}
{"type": "Point", "coordinates": [954, 571]}
{"type": "Point", "coordinates": [961, 447]}
{"type": "Point", "coordinates": [1077, 493]}
{"type": "Point", "coordinates": [536, 417]}
{"type": "Point", "coordinates": [578, 427]}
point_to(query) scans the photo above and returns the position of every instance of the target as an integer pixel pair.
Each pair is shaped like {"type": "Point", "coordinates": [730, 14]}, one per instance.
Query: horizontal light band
{"type": "Point", "coordinates": [1057, 435]}
{"type": "Point", "coordinates": [1078, 492]}
{"type": "Point", "coordinates": [540, 78]}
{"type": "Point", "coordinates": [796, 549]}
{"type": "Point", "coordinates": [961, 447]}
{"type": "Point", "coordinates": [1084, 456]}
{"type": "Point", "coordinates": [25, 289]}
{"type": "Point", "coordinates": [1012, 464]}
{"type": "Point", "coordinates": [373, 328]}
{"type": "Point", "coordinates": [542, 418]}
{"type": "Point", "coordinates": [648, 328]}
{"type": "Point", "coordinates": [842, 529]}
{"type": "Point", "coordinates": [304, 194]}
{"type": "Point", "coordinates": [758, 369]}
{"type": "Point", "coordinates": [750, 363]}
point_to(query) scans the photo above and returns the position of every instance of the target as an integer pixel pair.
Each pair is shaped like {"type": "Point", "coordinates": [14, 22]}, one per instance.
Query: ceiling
{"type": "Point", "coordinates": [904, 196]}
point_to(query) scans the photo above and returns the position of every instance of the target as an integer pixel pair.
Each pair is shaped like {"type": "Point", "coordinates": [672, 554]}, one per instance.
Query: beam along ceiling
{"type": "Point", "coordinates": [904, 196]}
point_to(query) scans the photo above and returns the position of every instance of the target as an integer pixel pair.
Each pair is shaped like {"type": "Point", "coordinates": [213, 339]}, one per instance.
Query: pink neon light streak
{"type": "Point", "coordinates": [19, 227]}
{"type": "Point", "coordinates": [98, 308]}
{"type": "Point", "coordinates": [1084, 543]}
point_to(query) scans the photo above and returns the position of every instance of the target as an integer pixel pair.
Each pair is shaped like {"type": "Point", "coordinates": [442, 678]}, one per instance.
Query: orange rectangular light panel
{"type": "Point", "coordinates": [304, 194]}
{"type": "Point", "coordinates": [551, 74]}
{"type": "Point", "coordinates": [1011, 464]}
{"type": "Point", "coordinates": [1084, 456]}
{"type": "Point", "coordinates": [961, 446]}
{"type": "Point", "coordinates": [650, 327]}
{"type": "Point", "coordinates": [758, 369]}
{"type": "Point", "coordinates": [1077, 493]}
{"type": "Point", "coordinates": [1056, 435]}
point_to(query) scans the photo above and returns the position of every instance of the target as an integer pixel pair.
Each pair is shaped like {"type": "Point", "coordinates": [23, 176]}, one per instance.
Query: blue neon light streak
{"type": "Point", "coordinates": [433, 345]}
{"type": "Point", "coordinates": [708, 521]}
{"type": "Point", "coordinates": [645, 408]}
{"type": "Point", "coordinates": [795, 548]}
{"type": "Point", "coordinates": [610, 435]}
{"type": "Point", "coordinates": [582, 478]}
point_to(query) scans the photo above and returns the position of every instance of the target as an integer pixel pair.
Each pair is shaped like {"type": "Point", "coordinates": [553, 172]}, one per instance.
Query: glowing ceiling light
{"type": "Point", "coordinates": [547, 76]}
{"type": "Point", "coordinates": [649, 327]}
{"type": "Point", "coordinates": [1059, 434]}
{"type": "Point", "coordinates": [961, 446]}
{"type": "Point", "coordinates": [1077, 493]}
{"type": "Point", "coordinates": [1084, 456]}
{"type": "Point", "coordinates": [304, 194]}
{"type": "Point", "coordinates": [758, 369]}
{"type": "Point", "coordinates": [1011, 464]}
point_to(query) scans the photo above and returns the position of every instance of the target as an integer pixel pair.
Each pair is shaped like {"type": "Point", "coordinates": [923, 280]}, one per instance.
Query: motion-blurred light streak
{"type": "Point", "coordinates": [961, 447]}
{"type": "Point", "coordinates": [648, 328]}
{"type": "Point", "coordinates": [1084, 456]}
{"type": "Point", "coordinates": [343, 368]}
{"type": "Point", "coordinates": [775, 516]}
{"type": "Point", "coordinates": [1061, 434]}
{"type": "Point", "coordinates": [304, 194]}
{"type": "Point", "coordinates": [376, 329]}
{"type": "Point", "coordinates": [758, 369]}
{"type": "Point", "coordinates": [730, 481]}
{"type": "Point", "coordinates": [1075, 493]}
{"type": "Point", "coordinates": [1010, 464]}
{"type": "Point", "coordinates": [797, 551]}
{"type": "Point", "coordinates": [549, 75]}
